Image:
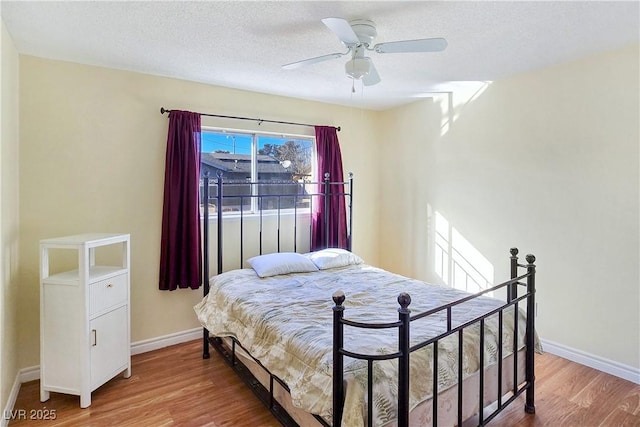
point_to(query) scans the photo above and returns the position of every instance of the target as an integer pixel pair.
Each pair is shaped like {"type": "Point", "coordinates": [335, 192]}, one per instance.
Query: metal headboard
{"type": "Point", "coordinates": [238, 194]}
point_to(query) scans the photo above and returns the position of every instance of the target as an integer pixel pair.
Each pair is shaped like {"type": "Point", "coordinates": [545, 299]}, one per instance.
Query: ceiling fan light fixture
{"type": "Point", "coordinates": [357, 68]}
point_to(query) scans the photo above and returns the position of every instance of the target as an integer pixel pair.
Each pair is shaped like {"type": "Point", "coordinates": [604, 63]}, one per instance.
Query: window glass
{"type": "Point", "coordinates": [248, 162]}
{"type": "Point", "coordinates": [284, 158]}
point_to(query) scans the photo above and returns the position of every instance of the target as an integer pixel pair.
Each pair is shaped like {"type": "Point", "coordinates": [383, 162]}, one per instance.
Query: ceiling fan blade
{"type": "Point", "coordinates": [372, 77]}
{"type": "Point", "coordinates": [343, 30]}
{"type": "Point", "coordinates": [421, 45]}
{"type": "Point", "coordinates": [304, 62]}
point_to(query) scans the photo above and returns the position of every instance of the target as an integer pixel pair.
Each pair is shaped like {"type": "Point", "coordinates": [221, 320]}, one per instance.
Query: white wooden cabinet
{"type": "Point", "coordinates": [84, 317]}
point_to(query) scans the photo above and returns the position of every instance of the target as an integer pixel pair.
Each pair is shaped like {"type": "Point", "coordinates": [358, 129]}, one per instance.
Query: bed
{"type": "Point", "coordinates": [326, 339]}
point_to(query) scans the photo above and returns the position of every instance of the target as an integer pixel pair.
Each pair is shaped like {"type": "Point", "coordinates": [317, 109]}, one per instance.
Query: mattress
{"type": "Point", "coordinates": [286, 323]}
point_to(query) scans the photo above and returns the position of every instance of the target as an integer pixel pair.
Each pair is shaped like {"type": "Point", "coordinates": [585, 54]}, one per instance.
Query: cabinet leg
{"type": "Point", "coordinates": [44, 395]}
{"type": "Point", "coordinates": [85, 400]}
{"type": "Point", "coordinates": [127, 372]}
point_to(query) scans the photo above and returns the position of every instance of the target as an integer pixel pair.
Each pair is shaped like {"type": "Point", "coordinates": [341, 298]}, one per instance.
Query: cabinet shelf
{"type": "Point", "coordinates": [72, 277]}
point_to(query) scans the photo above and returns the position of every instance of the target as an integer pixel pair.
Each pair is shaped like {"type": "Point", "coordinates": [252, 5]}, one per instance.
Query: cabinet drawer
{"type": "Point", "coordinates": [107, 293]}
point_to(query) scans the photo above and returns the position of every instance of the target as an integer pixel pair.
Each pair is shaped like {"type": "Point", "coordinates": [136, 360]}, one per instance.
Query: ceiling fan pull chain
{"type": "Point", "coordinates": [353, 85]}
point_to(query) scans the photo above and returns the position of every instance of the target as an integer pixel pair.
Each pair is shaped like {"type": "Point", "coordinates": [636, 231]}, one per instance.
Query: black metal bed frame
{"type": "Point", "coordinates": [526, 280]}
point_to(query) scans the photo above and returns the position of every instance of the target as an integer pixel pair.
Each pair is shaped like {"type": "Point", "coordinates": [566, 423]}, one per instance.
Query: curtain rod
{"type": "Point", "coordinates": [164, 110]}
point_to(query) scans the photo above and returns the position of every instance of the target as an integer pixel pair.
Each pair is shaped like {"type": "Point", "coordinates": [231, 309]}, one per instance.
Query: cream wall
{"type": "Point", "coordinates": [8, 215]}
{"type": "Point", "coordinates": [92, 144]}
{"type": "Point", "coordinates": [546, 161]}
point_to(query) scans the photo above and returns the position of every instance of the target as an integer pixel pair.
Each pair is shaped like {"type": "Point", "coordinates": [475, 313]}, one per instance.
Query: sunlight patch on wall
{"type": "Point", "coordinates": [442, 249]}
{"type": "Point", "coordinates": [452, 97]}
{"type": "Point", "coordinates": [457, 262]}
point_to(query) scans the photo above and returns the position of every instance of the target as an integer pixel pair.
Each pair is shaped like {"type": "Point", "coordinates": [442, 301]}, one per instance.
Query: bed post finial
{"type": "Point", "coordinates": [530, 258]}
{"type": "Point", "coordinates": [338, 297]}
{"type": "Point", "coordinates": [514, 252]}
{"type": "Point", "coordinates": [404, 299]}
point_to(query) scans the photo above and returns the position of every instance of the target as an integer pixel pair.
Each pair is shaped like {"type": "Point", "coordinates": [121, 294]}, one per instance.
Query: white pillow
{"type": "Point", "coordinates": [334, 258]}
{"type": "Point", "coordinates": [281, 263]}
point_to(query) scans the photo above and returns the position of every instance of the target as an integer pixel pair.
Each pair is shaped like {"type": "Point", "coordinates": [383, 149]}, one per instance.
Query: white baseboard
{"type": "Point", "coordinates": [620, 370]}
{"type": "Point", "coordinates": [29, 374]}
{"type": "Point", "coordinates": [33, 373]}
{"type": "Point", "coordinates": [24, 375]}
{"type": "Point", "coordinates": [13, 395]}
{"type": "Point", "coordinates": [157, 343]}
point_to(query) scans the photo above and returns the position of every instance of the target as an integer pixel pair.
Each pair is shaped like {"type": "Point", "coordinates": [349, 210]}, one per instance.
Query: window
{"type": "Point", "coordinates": [248, 161]}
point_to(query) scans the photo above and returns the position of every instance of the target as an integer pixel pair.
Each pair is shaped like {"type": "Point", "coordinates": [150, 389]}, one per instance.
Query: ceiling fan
{"type": "Point", "coordinates": [357, 36]}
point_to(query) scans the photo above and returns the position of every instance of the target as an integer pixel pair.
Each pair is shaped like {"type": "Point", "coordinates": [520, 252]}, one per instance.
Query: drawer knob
{"type": "Point", "coordinates": [110, 285]}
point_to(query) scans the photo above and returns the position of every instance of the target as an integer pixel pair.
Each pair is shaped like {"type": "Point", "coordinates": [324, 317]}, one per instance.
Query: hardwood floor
{"type": "Point", "coordinates": [174, 386]}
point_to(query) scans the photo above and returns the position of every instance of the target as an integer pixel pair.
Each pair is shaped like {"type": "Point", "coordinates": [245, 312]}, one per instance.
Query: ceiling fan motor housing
{"type": "Point", "coordinates": [365, 30]}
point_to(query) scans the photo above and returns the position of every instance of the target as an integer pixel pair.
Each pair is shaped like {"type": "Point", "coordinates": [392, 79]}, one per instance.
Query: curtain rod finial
{"type": "Point", "coordinates": [162, 110]}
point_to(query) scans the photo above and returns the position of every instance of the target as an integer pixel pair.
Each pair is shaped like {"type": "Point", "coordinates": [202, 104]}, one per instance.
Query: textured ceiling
{"type": "Point", "coordinates": [242, 44]}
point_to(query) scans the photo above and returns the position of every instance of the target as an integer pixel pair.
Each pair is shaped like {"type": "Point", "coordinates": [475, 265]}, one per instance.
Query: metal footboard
{"type": "Point", "coordinates": [526, 280]}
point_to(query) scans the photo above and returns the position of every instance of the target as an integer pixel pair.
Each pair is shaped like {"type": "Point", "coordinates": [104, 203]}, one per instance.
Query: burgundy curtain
{"type": "Point", "coordinates": [329, 161]}
{"type": "Point", "coordinates": [180, 252]}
